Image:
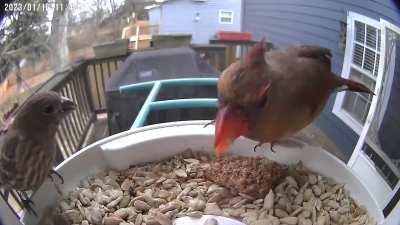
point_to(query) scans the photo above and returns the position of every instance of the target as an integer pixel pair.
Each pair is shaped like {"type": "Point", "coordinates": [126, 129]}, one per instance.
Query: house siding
{"type": "Point", "coordinates": [317, 22]}
{"type": "Point", "coordinates": [178, 16]}
{"type": "Point", "coordinates": [155, 16]}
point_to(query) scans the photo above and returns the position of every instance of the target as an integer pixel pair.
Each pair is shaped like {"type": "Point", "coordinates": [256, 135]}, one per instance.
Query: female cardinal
{"type": "Point", "coordinates": [271, 95]}
{"type": "Point", "coordinates": [28, 145]}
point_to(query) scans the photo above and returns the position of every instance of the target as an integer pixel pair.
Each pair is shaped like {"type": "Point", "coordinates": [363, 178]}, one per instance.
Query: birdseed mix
{"type": "Point", "coordinates": [253, 190]}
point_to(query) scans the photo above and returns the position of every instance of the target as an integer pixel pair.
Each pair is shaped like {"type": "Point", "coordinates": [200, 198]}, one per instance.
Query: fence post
{"type": "Point", "coordinates": [137, 37]}
{"type": "Point", "coordinates": [83, 71]}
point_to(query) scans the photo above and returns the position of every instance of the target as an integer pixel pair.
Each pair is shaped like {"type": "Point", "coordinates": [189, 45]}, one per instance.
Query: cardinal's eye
{"type": "Point", "coordinates": [49, 109]}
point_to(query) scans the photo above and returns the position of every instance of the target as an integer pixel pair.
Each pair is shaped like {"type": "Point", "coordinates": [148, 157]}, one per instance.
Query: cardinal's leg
{"type": "Point", "coordinates": [57, 174]}
{"type": "Point", "coordinates": [209, 123]}
{"type": "Point", "coordinates": [257, 145]}
{"type": "Point", "coordinates": [272, 146]}
{"type": "Point", "coordinates": [27, 203]}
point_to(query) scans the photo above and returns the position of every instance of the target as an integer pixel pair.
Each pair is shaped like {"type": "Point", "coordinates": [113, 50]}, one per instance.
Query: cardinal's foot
{"type": "Point", "coordinates": [272, 146]}
{"type": "Point", "coordinates": [256, 146]}
{"type": "Point", "coordinates": [57, 174]}
{"type": "Point", "coordinates": [209, 123]}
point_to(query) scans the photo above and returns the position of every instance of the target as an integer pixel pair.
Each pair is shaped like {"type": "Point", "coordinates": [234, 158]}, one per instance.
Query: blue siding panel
{"type": "Point", "coordinates": [291, 22]}
{"type": "Point", "coordinates": [154, 16]}
{"type": "Point", "coordinates": [178, 16]}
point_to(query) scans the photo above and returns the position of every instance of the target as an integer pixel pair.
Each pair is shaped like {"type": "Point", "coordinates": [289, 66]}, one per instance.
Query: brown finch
{"type": "Point", "coordinates": [27, 143]}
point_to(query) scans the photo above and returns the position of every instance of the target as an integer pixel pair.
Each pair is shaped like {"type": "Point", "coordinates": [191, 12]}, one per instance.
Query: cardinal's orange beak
{"type": "Point", "coordinates": [230, 124]}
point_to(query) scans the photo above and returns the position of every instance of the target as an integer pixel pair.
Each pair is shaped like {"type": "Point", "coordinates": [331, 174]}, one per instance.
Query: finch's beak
{"type": "Point", "coordinates": [67, 105]}
{"type": "Point", "coordinates": [230, 124]}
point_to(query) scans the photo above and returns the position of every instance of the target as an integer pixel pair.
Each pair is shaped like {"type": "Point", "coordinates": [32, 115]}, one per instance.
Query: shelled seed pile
{"type": "Point", "coordinates": [157, 193]}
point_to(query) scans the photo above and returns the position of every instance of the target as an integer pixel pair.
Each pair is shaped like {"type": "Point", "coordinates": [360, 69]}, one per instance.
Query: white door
{"type": "Point", "coordinates": [376, 158]}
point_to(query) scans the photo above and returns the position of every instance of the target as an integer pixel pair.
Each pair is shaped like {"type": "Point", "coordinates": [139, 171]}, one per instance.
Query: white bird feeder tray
{"type": "Point", "coordinates": [159, 141]}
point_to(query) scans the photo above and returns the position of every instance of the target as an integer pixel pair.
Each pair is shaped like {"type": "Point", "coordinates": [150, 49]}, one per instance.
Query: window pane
{"type": "Point", "coordinates": [366, 111]}
{"type": "Point", "coordinates": [360, 31]}
{"type": "Point", "coordinates": [360, 107]}
{"type": "Point", "coordinates": [226, 20]}
{"type": "Point", "coordinates": [377, 65]}
{"type": "Point", "coordinates": [226, 14]}
{"type": "Point", "coordinates": [358, 54]}
{"type": "Point", "coordinates": [358, 76]}
{"type": "Point", "coordinates": [349, 101]}
{"type": "Point", "coordinates": [379, 40]}
{"type": "Point", "coordinates": [357, 104]}
{"type": "Point", "coordinates": [369, 82]}
{"type": "Point", "coordinates": [369, 60]}
{"type": "Point", "coordinates": [371, 37]}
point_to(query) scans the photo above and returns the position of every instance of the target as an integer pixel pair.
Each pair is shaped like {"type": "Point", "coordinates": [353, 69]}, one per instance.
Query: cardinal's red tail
{"type": "Point", "coordinates": [351, 85]}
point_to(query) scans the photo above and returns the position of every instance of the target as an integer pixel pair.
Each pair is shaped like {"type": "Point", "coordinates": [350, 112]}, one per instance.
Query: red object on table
{"type": "Point", "coordinates": [234, 36]}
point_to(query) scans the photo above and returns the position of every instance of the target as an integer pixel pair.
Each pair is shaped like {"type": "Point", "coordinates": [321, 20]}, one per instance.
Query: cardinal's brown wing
{"type": "Point", "coordinates": [321, 54]}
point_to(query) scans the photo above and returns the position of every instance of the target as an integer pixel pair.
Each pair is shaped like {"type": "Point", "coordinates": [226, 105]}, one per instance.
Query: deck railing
{"type": "Point", "coordinates": [84, 83]}
{"type": "Point", "coordinates": [97, 72]}
{"type": "Point", "coordinates": [155, 88]}
{"type": "Point", "coordinates": [213, 54]}
{"type": "Point", "coordinates": [73, 128]}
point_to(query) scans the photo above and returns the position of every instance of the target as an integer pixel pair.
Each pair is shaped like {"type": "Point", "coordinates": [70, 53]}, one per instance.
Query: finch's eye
{"type": "Point", "coordinates": [49, 109]}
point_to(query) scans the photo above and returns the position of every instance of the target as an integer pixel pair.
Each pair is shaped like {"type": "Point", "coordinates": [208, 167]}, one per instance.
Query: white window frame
{"type": "Point", "coordinates": [359, 162]}
{"type": "Point", "coordinates": [337, 107]}
{"type": "Point", "coordinates": [221, 11]}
